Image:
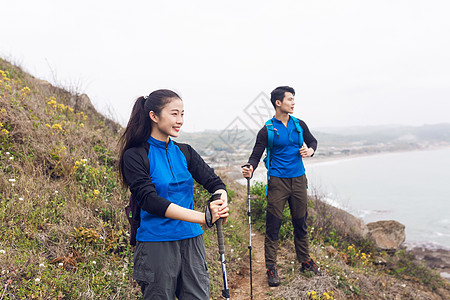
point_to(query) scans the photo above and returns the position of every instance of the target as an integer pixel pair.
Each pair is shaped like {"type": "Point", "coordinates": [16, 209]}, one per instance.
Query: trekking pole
{"type": "Point", "coordinates": [249, 231]}
{"type": "Point", "coordinates": [219, 225]}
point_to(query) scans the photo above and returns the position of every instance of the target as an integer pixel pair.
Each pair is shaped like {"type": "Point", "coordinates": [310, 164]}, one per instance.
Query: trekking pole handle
{"type": "Point", "coordinates": [219, 226]}
{"type": "Point", "coordinates": [247, 165]}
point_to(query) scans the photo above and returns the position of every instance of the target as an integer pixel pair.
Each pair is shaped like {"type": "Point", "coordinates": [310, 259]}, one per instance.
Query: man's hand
{"type": "Point", "coordinates": [247, 171]}
{"type": "Point", "coordinates": [305, 151]}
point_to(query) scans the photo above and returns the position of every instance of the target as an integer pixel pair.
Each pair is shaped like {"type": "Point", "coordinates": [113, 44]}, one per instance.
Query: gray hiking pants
{"type": "Point", "coordinates": [168, 269]}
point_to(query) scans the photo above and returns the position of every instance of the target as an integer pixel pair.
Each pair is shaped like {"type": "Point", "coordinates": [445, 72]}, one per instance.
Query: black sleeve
{"type": "Point", "coordinates": [204, 174]}
{"type": "Point", "coordinates": [309, 139]}
{"type": "Point", "coordinates": [258, 149]}
{"type": "Point", "coordinates": [141, 185]}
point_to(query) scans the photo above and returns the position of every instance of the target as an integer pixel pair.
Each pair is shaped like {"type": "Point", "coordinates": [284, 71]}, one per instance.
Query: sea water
{"type": "Point", "coordinates": [412, 188]}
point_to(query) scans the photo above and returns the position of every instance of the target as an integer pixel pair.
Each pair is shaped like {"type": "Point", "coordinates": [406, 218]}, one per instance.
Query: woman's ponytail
{"type": "Point", "coordinates": [137, 132]}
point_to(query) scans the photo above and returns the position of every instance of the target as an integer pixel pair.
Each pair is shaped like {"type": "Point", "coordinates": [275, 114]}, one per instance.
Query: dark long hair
{"type": "Point", "coordinates": [139, 126]}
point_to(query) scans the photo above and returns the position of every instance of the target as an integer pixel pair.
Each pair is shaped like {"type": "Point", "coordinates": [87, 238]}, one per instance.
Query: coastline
{"type": "Point", "coordinates": [434, 256]}
{"type": "Point", "coordinates": [344, 157]}
{"type": "Point", "coordinates": [261, 172]}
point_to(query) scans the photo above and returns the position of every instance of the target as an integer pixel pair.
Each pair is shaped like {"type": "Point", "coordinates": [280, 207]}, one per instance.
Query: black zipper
{"type": "Point", "coordinates": [170, 166]}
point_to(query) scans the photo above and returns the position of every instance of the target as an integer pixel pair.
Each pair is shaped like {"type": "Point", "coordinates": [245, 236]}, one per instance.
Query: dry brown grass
{"type": "Point", "coordinates": [43, 197]}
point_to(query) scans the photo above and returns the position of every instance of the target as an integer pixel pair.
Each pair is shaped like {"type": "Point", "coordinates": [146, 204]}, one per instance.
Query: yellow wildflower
{"type": "Point", "coordinates": [62, 107]}
{"type": "Point", "coordinates": [48, 125]}
{"type": "Point", "coordinates": [312, 295]}
{"type": "Point", "coordinates": [25, 91]}
{"type": "Point", "coordinates": [81, 125]}
{"type": "Point", "coordinates": [5, 131]}
{"type": "Point", "coordinates": [52, 101]}
{"type": "Point", "coordinates": [57, 126]}
{"type": "Point", "coordinates": [77, 165]}
{"type": "Point", "coordinates": [96, 192]}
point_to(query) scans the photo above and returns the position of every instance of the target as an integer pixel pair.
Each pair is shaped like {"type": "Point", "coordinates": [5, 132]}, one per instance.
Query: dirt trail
{"type": "Point", "coordinates": [240, 287]}
{"type": "Point", "coordinates": [239, 282]}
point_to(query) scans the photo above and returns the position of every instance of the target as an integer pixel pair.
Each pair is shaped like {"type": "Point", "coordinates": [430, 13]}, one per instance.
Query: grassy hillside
{"type": "Point", "coordinates": [63, 232]}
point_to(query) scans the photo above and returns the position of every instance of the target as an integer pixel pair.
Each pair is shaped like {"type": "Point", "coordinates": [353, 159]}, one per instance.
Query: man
{"type": "Point", "coordinates": [287, 140]}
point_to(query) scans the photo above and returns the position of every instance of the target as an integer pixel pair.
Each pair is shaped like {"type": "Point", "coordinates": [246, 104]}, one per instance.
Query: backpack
{"type": "Point", "coordinates": [133, 210]}
{"type": "Point", "coordinates": [270, 137]}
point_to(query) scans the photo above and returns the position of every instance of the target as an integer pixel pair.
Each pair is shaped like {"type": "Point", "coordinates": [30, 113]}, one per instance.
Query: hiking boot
{"type": "Point", "coordinates": [272, 277]}
{"type": "Point", "coordinates": [311, 266]}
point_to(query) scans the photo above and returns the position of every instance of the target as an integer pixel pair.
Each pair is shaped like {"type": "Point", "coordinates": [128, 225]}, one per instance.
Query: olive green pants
{"type": "Point", "coordinates": [292, 190]}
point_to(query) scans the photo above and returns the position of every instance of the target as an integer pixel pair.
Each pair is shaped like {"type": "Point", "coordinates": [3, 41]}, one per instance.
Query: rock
{"type": "Point", "coordinates": [434, 258]}
{"type": "Point", "coordinates": [345, 222]}
{"type": "Point", "coordinates": [82, 102]}
{"type": "Point", "coordinates": [387, 235]}
{"type": "Point", "coordinates": [43, 83]}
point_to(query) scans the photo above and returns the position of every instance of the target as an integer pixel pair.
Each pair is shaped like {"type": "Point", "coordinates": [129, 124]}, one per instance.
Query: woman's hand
{"type": "Point", "coordinates": [219, 208]}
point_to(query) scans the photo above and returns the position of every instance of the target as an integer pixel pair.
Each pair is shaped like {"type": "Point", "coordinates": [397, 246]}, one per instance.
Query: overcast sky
{"type": "Point", "coordinates": [351, 62]}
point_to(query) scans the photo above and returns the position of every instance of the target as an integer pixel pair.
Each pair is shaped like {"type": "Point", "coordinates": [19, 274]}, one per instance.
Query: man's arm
{"type": "Point", "coordinates": [258, 149]}
{"type": "Point", "coordinates": [310, 141]}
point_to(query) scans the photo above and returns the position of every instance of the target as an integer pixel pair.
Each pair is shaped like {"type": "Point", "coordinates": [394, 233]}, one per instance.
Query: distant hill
{"type": "Point", "coordinates": [221, 147]}
{"type": "Point", "coordinates": [388, 133]}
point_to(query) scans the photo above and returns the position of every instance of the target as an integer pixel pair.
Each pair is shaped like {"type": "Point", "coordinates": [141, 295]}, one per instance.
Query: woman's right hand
{"type": "Point", "coordinates": [219, 209]}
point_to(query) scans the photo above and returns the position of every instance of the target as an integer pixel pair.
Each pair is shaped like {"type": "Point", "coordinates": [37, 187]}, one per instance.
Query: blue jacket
{"type": "Point", "coordinates": [286, 161]}
{"type": "Point", "coordinates": [170, 181]}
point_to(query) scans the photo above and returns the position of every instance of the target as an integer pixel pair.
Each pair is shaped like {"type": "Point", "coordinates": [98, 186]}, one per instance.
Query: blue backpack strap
{"type": "Point", "coordinates": [300, 133]}
{"type": "Point", "coordinates": [299, 130]}
{"type": "Point", "coordinates": [270, 137]}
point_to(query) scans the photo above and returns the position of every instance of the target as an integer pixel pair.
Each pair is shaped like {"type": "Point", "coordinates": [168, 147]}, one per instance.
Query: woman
{"type": "Point", "coordinates": [170, 257]}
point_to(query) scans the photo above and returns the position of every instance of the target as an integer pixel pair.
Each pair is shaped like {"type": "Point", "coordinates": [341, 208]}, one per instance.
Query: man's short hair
{"type": "Point", "coordinates": [278, 94]}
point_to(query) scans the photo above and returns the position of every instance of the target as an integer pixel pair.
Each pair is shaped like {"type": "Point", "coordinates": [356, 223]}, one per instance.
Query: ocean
{"type": "Point", "coordinates": [412, 188]}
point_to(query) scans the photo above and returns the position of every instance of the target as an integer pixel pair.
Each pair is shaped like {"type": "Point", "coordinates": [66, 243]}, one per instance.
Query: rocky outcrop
{"type": "Point", "coordinates": [435, 258]}
{"type": "Point", "coordinates": [82, 102]}
{"type": "Point", "coordinates": [387, 235]}
{"type": "Point", "coordinates": [348, 223]}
